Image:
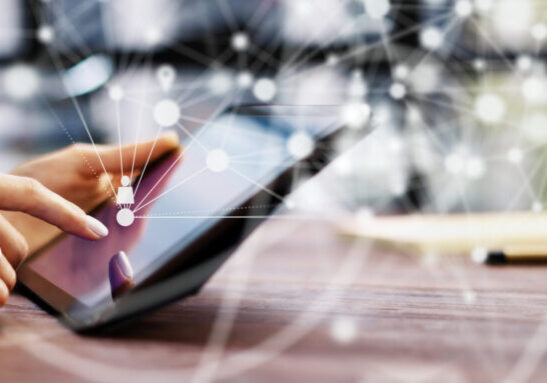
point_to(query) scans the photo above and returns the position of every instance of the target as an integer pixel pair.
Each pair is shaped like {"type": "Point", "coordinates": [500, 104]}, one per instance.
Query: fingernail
{"type": "Point", "coordinates": [172, 135]}
{"type": "Point", "coordinates": [96, 226]}
{"type": "Point", "coordinates": [123, 262]}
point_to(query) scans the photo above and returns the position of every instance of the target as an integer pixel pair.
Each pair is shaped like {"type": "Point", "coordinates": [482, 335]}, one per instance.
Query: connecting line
{"type": "Point", "coordinates": [181, 155]}
{"type": "Point", "coordinates": [267, 190]}
{"type": "Point", "coordinates": [118, 124]}
{"type": "Point", "coordinates": [285, 217]}
{"type": "Point", "coordinates": [59, 67]}
{"type": "Point", "coordinates": [140, 205]}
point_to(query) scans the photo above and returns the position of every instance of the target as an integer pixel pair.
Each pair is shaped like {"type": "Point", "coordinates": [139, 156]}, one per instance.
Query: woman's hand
{"type": "Point", "coordinates": [27, 195]}
{"type": "Point", "coordinates": [78, 175]}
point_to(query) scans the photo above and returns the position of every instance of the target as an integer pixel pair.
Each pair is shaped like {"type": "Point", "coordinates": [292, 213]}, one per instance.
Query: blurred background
{"type": "Point", "coordinates": [457, 87]}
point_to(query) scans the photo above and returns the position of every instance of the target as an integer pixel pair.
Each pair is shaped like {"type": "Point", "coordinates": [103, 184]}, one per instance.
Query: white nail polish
{"type": "Point", "coordinates": [125, 266]}
{"type": "Point", "coordinates": [96, 226]}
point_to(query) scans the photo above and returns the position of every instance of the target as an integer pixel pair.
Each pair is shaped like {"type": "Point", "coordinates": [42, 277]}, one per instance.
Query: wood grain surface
{"type": "Point", "coordinates": [299, 304]}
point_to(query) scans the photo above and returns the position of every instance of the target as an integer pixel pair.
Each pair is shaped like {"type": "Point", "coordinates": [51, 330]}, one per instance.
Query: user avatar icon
{"type": "Point", "coordinates": [125, 192]}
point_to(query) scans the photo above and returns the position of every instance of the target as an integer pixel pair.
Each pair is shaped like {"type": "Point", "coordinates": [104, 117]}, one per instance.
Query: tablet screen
{"type": "Point", "coordinates": [224, 163]}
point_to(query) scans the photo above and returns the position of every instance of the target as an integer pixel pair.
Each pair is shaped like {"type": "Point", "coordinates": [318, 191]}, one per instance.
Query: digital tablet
{"type": "Point", "coordinates": [190, 210]}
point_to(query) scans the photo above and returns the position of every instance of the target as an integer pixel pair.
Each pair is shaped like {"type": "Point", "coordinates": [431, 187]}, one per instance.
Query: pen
{"type": "Point", "coordinates": [515, 254]}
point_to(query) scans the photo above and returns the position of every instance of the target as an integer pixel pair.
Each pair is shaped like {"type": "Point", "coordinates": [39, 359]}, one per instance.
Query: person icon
{"type": "Point", "coordinates": [125, 192]}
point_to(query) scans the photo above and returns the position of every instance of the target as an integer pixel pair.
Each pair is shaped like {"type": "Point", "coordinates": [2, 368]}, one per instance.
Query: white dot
{"type": "Point", "coordinates": [490, 108]}
{"type": "Point", "coordinates": [21, 81]}
{"type": "Point", "coordinates": [397, 91]}
{"type": "Point", "coordinates": [479, 254]}
{"type": "Point", "coordinates": [240, 41]}
{"type": "Point", "coordinates": [45, 34]}
{"type": "Point", "coordinates": [463, 8]}
{"type": "Point", "coordinates": [220, 83]}
{"type": "Point", "coordinates": [265, 89]}
{"type": "Point", "coordinates": [377, 9]}
{"type": "Point", "coordinates": [539, 31]}
{"type": "Point", "coordinates": [343, 330]}
{"type": "Point", "coordinates": [515, 155]}
{"type": "Point", "coordinates": [125, 181]}
{"type": "Point", "coordinates": [152, 35]}
{"type": "Point", "coordinates": [115, 92]}
{"type": "Point", "coordinates": [365, 216]}
{"type": "Point", "coordinates": [537, 207]}
{"type": "Point", "coordinates": [217, 160]}
{"type": "Point", "coordinates": [475, 168]}
{"type": "Point", "coordinates": [166, 113]}
{"type": "Point", "coordinates": [300, 145]}
{"type": "Point", "coordinates": [397, 187]}
{"type": "Point", "coordinates": [356, 115]}
{"type": "Point", "coordinates": [125, 217]}
{"type": "Point", "coordinates": [469, 296]}
{"type": "Point", "coordinates": [479, 65]}
{"type": "Point", "coordinates": [332, 59]}
{"type": "Point", "coordinates": [534, 90]}
{"type": "Point", "coordinates": [290, 203]}
{"type": "Point", "coordinates": [401, 72]}
{"type": "Point", "coordinates": [431, 38]}
{"type": "Point", "coordinates": [524, 63]}
{"type": "Point", "coordinates": [245, 80]}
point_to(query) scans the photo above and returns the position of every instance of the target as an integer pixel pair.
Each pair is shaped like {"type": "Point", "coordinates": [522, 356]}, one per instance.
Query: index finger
{"type": "Point", "coordinates": [117, 159]}
{"type": "Point", "coordinates": [30, 196]}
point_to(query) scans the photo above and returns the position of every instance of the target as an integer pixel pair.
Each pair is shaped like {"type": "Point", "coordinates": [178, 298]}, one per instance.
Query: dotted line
{"type": "Point", "coordinates": [215, 211]}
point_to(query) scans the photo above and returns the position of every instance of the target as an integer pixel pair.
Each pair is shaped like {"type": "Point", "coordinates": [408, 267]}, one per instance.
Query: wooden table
{"type": "Point", "coordinates": [299, 304]}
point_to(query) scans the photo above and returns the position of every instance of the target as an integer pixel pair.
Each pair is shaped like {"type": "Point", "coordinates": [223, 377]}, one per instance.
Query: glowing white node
{"type": "Point", "coordinates": [395, 145]}
{"type": "Point", "coordinates": [469, 296]}
{"type": "Point", "coordinates": [397, 188]}
{"type": "Point", "coordinates": [265, 89]}
{"type": "Point", "coordinates": [377, 9]}
{"type": "Point", "coordinates": [401, 72]}
{"type": "Point", "coordinates": [220, 83]}
{"type": "Point", "coordinates": [115, 92]}
{"type": "Point", "coordinates": [524, 63]}
{"type": "Point", "coordinates": [244, 80]}
{"type": "Point", "coordinates": [332, 59]}
{"type": "Point", "coordinates": [217, 160]}
{"type": "Point", "coordinates": [45, 34]}
{"type": "Point", "coordinates": [166, 76]}
{"type": "Point", "coordinates": [343, 166]}
{"type": "Point", "coordinates": [515, 155]}
{"type": "Point", "coordinates": [475, 168]}
{"type": "Point", "coordinates": [166, 113]}
{"type": "Point", "coordinates": [240, 41]}
{"type": "Point", "coordinates": [534, 90]}
{"type": "Point", "coordinates": [300, 145]}
{"type": "Point", "coordinates": [125, 217]}
{"type": "Point", "coordinates": [490, 108]}
{"type": "Point", "coordinates": [343, 330]}
{"type": "Point", "coordinates": [479, 65]}
{"type": "Point", "coordinates": [539, 31]}
{"type": "Point", "coordinates": [479, 254]}
{"type": "Point", "coordinates": [537, 207]}
{"type": "Point", "coordinates": [431, 38]}
{"type": "Point", "coordinates": [291, 204]}
{"type": "Point", "coordinates": [125, 181]}
{"type": "Point", "coordinates": [365, 215]}
{"type": "Point", "coordinates": [152, 35]}
{"type": "Point", "coordinates": [463, 8]}
{"type": "Point", "coordinates": [397, 91]}
{"type": "Point", "coordinates": [356, 116]}
{"type": "Point", "coordinates": [21, 81]}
